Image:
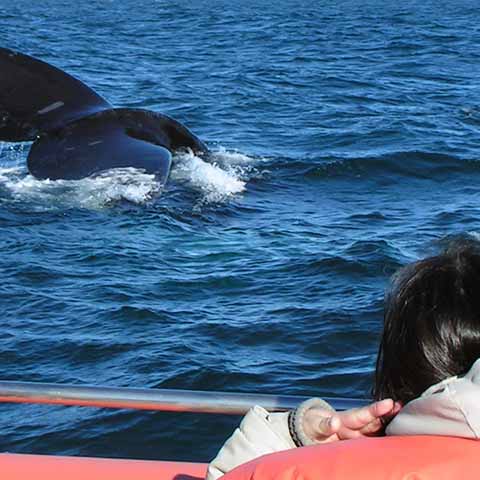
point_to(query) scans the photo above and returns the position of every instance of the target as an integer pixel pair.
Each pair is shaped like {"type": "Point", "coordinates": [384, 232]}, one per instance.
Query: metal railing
{"type": "Point", "coordinates": [156, 399]}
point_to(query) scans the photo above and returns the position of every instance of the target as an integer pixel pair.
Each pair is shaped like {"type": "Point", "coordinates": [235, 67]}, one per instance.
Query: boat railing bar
{"type": "Point", "coordinates": [168, 400]}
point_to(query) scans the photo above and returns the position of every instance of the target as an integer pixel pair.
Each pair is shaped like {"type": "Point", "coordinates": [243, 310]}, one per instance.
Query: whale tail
{"type": "Point", "coordinates": [36, 97]}
{"type": "Point", "coordinates": [77, 132]}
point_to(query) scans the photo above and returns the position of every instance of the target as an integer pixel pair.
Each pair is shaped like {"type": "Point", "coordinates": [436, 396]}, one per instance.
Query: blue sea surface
{"type": "Point", "coordinates": [346, 144]}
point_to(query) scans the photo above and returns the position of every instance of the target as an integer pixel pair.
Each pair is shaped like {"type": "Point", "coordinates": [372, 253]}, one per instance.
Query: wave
{"type": "Point", "coordinates": [412, 164]}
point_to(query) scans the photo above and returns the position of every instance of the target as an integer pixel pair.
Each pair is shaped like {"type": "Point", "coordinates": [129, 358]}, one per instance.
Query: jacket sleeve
{"type": "Point", "coordinates": [260, 433]}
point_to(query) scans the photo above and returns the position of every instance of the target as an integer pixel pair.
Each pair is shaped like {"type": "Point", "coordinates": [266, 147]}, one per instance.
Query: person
{"type": "Point", "coordinates": [427, 376]}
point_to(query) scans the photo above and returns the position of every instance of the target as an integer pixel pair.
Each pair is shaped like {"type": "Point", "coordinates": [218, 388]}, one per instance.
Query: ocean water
{"type": "Point", "coordinates": [346, 144]}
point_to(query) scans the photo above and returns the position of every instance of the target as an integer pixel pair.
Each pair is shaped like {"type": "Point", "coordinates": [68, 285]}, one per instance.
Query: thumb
{"type": "Point", "coordinates": [328, 426]}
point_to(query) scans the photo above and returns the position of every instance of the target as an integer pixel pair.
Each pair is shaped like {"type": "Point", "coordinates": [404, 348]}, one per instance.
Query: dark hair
{"type": "Point", "coordinates": [431, 323]}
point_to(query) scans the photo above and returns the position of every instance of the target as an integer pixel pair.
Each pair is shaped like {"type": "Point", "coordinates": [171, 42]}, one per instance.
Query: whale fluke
{"type": "Point", "coordinates": [36, 97]}
{"type": "Point", "coordinates": [76, 132]}
{"type": "Point", "coordinates": [108, 139]}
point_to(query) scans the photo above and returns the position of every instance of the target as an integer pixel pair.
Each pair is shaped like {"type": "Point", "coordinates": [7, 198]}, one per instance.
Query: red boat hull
{"type": "Point", "coordinates": [47, 467]}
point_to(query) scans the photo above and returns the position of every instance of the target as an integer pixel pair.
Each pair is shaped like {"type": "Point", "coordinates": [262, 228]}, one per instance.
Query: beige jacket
{"type": "Point", "coordinates": [260, 433]}
{"type": "Point", "coordinates": [451, 407]}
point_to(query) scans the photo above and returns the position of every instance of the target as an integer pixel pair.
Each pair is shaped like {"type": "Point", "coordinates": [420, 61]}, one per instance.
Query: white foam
{"type": "Point", "coordinates": [219, 178]}
{"type": "Point", "coordinates": [13, 153]}
{"type": "Point", "coordinates": [223, 176]}
{"type": "Point", "coordinates": [215, 183]}
{"type": "Point", "coordinates": [94, 192]}
{"type": "Point", "coordinates": [222, 156]}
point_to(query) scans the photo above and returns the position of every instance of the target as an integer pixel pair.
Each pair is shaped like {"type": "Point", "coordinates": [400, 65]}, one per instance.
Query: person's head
{"type": "Point", "coordinates": [431, 323]}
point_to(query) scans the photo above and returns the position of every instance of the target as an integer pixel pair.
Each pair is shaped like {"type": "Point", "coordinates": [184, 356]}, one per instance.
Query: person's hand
{"type": "Point", "coordinates": [322, 425]}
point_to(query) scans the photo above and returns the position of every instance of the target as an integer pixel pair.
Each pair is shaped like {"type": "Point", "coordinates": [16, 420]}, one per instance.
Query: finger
{"type": "Point", "coordinates": [372, 428]}
{"type": "Point", "coordinates": [349, 434]}
{"type": "Point", "coordinates": [396, 408]}
{"type": "Point", "coordinates": [377, 425]}
{"type": "Point", "coordinates": [383, 407]}
{"type": "Point", "coordinates": [357, 419]}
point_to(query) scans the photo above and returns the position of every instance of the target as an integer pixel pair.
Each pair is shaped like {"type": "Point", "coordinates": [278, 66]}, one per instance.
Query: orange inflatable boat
{"type": "Point", "coordinates": [388, 458]}
{"type": "Point", "coordinates": [395, 458]}
{"type": "Point", "coordinates": [46, 467]}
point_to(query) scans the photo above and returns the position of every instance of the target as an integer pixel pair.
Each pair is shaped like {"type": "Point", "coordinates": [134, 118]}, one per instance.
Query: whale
{"type": "Point", "coordinates": [75, 132]}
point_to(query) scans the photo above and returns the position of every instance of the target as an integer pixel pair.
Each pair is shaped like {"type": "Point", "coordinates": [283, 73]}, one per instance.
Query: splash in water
{"type": "Point", "coordinates": [217, 181]}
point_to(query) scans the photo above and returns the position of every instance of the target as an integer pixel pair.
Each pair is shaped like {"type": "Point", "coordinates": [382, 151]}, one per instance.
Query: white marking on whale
{"type": "Point", "coordinates": [51, 107]}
